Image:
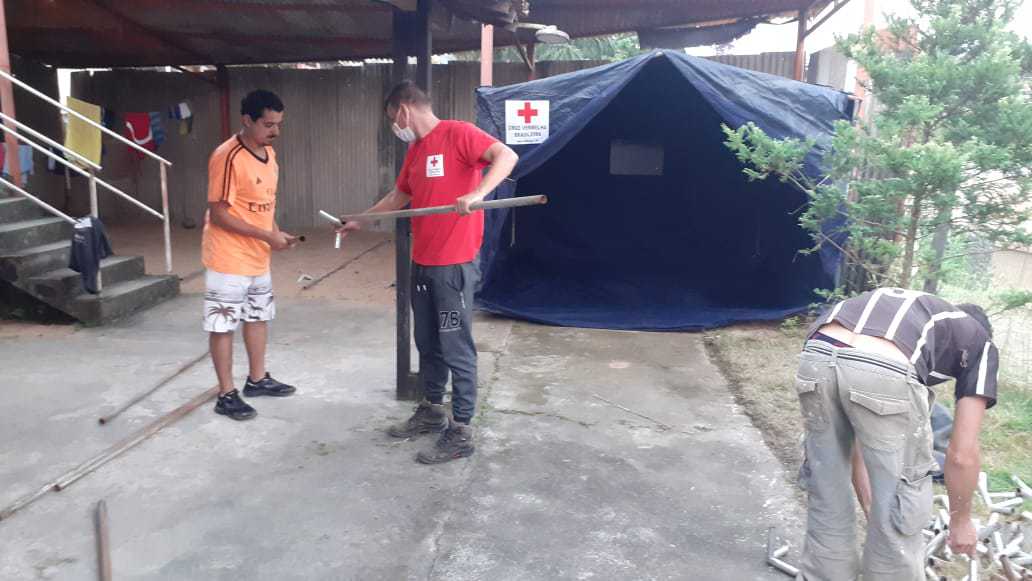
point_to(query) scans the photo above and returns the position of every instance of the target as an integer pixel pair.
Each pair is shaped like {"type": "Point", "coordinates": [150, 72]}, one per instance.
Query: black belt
{"type": "Point", "coordinates": [818, 336]}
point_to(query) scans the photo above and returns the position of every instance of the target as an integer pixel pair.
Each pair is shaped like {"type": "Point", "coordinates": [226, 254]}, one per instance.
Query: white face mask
{"type": "Point", "coordinates": [406, 134]}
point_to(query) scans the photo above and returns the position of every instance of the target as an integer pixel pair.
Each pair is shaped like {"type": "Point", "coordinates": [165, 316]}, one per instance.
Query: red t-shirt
{"type": "Point", "coordinates": [441, 167]}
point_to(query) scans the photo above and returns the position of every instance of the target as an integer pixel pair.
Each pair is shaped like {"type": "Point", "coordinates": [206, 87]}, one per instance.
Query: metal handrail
{"type": "Point", "coordinates": [39, 202]}
{"type": "Point", "coordinates": [163, 165]}
{"type": "Point", "coordinates": [46, 139]}
{"type": "Point", "coordinates": [82, 172]}
{"type": "Point", "coordinates": [84, 118]}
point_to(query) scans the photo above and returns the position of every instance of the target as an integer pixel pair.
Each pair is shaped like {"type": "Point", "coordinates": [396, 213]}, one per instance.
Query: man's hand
{"type": "Point", "coordinates": [962, 536]}
{"type": "Point", "coordinates": [280, 240]}
{"type": "Point", "coordinates": [962, 467]}
{"type": "Point", "coordinates": [348, 228]}
{"type": "Point", "coordinates": [462, 205]}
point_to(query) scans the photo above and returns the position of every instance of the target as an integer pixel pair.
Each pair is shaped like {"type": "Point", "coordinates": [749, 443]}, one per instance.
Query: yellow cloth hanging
{"type": "Point", "coordinates": [83, 138]}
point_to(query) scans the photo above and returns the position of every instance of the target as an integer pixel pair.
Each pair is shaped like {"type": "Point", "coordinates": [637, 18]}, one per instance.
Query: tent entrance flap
{"type": "Point", "coordinates": [652, 225]}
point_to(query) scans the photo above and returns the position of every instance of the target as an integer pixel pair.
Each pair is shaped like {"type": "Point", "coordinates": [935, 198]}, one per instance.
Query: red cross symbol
{"type": "Point", "coordinates": [527, 113]}
{"type": "Point", "coordinates": [433, 161]}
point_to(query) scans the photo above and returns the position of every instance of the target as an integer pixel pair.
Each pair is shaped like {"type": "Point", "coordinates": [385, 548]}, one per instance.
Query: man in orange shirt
{"type": "Point", "coordinates": [240, 233]}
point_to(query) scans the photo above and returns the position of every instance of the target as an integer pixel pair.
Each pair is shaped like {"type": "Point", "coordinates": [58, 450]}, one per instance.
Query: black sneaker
{"type": "Point", "coordinates": [267, 386]}
{"type": "Point", "coordinates": [456, 442]}
{"type": "Point", "coordinates": [428, 418]}
{"type": "Point", "coordinates": [230, 404]}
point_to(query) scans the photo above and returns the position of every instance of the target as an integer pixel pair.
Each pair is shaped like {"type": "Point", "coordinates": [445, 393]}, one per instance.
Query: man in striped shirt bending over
{"type": "Point", "coordinates": [864, 377]}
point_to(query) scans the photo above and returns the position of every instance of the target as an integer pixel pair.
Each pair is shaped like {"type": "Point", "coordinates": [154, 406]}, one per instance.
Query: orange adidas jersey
{"type": "Point", "coordinates": [248, 184]}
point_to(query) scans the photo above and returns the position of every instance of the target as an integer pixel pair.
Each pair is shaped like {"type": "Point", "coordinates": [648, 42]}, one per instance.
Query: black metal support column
{"type": "Point", "coordinates": [410, 30]}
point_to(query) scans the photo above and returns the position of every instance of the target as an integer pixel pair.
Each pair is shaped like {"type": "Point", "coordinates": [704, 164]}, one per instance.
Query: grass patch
{"type": "Point", "coordinates": [759, 361]}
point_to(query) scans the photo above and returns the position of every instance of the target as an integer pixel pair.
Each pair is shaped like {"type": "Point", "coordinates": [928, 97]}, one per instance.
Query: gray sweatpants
{"type": "Point", "coordinates": [442, 307]}
{"type": "Point", "coordinates": [847, 394]}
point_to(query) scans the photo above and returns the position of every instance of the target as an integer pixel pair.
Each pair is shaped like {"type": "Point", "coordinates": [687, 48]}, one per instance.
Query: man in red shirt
{"type": "Point", "coordinates": [444, 166]}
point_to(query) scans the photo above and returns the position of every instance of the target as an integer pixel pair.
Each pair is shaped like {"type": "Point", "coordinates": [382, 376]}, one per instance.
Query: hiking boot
{"type": "Point", "coordinates": [267, 386]}
{"type": "Point", "coordinates": [230, 404]}
{"type": "Point", "coordinates": [456, 442]}
{"type": "Point", "coordinates": [429, 417]}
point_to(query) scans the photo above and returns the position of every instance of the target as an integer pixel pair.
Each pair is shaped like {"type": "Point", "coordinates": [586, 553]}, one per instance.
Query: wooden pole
{"type": "Point", "coordinates": [486, 55]}
{"type": "Point", "coordinates": [531, 61]}
{"type": "Point", "coordinates": [800, 56]}
{"type": "Point", "coordinates": [222, 79]}
{"type": "Point", "coordinates": [489, 205]}
{"type": "Point", "coordinates": [103, 542]}
{"type": "Point", "coordinates": [7, 101]}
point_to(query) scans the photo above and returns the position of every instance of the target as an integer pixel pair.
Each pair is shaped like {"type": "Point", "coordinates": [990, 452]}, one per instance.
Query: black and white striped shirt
{"type": "Point", "coordinates": [942, 342]}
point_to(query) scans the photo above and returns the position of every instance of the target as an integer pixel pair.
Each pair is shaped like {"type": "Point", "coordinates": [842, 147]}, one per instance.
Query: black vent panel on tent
{"type": "Point", "coordinates": [627, 158]}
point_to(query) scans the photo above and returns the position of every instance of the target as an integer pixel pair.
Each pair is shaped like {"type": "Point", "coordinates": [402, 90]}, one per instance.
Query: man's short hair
{"type": "Point", "coordinates": [407, 93]}
{"type": "Point", "coordinates": [257, 101]}
{"type": "Point", "coordinates": [977, 313]}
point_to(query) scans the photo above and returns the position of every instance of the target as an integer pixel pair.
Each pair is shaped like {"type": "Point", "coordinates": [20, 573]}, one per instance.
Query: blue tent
{"type": "Point", "coordinates": [650, 223]}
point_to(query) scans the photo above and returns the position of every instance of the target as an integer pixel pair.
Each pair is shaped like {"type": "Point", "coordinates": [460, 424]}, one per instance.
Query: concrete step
{"type": "Point", "coordinates": [19, 209]}
{"type": "Point", "coordinates": [58, 286]}
{"type": "Point", "coordinates": [22, 264]}
{"type": "Point", "coordinates": [122, 299]}
{"type": "Point", "coordinates": [28, 233]}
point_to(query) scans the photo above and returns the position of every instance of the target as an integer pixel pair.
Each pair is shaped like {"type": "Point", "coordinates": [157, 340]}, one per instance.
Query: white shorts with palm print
{"type": "Point", "coordinates": [232, 298]}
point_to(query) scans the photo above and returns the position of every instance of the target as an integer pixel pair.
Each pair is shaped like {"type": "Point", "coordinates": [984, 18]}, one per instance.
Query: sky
{"type": "Point", "coordinates": [775, 38]}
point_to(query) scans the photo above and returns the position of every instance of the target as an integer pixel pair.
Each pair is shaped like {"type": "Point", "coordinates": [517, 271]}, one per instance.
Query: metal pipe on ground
{"type": "Point", "coordinates": [134, 439]}
{"type": "Point", "coordinates": [103, 542]}
{"type": "Point", "coordinates": [308, 282]}
{"type": "Point", "coordinates": [774, 555]}
{"type": "Point", "coordinates": [1008, 569]}
{"type": "Point", "coordinates": [988, 530]}
{"type": "Point", "coordinates": [783, 567]}
{"type": "Point", "coordinates": [983, 489]}
{"type": "Point", "coordinates": [72, 476]}
{"type": "Point", "coordinates": [1023, 488]}
{"type": "Point", "coordinates": [105, 419]}
{"type": "Point", "coordinates": [936, 543]}
{"type": "Point", "coordinates": [1012, 502]}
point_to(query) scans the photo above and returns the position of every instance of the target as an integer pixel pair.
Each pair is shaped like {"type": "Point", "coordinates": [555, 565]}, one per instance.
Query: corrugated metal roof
{"type": "Point", "coordinates": [104, 33]}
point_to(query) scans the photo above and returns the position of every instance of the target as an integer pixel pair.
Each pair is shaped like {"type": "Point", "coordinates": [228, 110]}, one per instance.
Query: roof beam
{"type": "Point", "coordinates": [838, 6]}
{"type": "Point", "coordinates": [240, 38]}
{"type": "Point", "coordinates": [163, 39]}
{"type": "Point", "coordinates": [403, 5]}
{"type": "Point", "coordinates": [234, 6]}
{"type": "Point", "coordinates": [589, 18]}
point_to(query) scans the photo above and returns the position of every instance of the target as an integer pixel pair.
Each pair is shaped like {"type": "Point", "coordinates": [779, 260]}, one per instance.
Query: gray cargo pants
{"type": "Point", "coordinates": [847, 394]}
{"type": "Point", "coordinates": [442, 307]}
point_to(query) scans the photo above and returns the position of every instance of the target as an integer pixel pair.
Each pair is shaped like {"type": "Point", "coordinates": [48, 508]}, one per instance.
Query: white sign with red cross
{"type": "Point", "coordinates": [435, 166]}
{"type": "Point", "coordinates": [526, 122]}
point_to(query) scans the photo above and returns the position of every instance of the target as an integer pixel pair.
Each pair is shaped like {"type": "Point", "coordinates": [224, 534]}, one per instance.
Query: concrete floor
{"type": "Point", "coordinates": [566, 483]}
